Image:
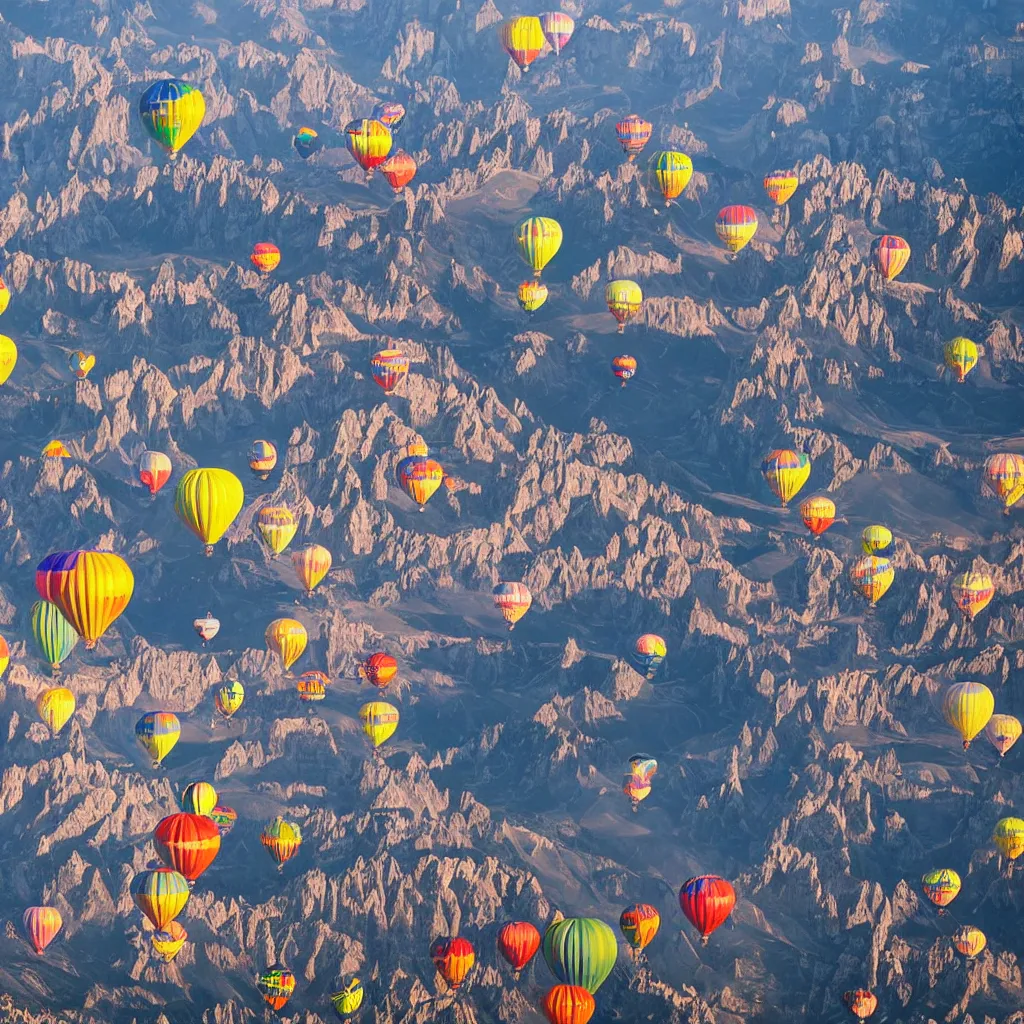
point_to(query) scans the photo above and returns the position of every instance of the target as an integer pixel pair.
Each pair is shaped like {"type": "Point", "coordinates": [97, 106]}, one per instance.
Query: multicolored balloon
{"type": "Point", "coordinates": [1004, 475]}
{"type": "Point", "coordinates": [55, 636]}
{"type": "Point", "coordinates": [390, 113]}
{"type": "Point", "coordinates": [872, 577]}
{"type": "Point", "coordinates": [861, 1003]}
{"type": "Point", "coordinates": [157, 733]}
{"type": "Point", "coordinates": [281, 839]}
{"type": "Point", "coordinates": [265, 257]}
{"type": "Point", "coordinates": [262, 458]}
{"type": "Point", "coordinates": [735, 226]}
{"type": "Point", "coordinates": [818, 514]}
{"type": "Point", "coordinates": [167, 944]}
{"type": "Point", "coordinates": [522, 39]}
{"type": "Point", "coordinates": [312, 686]}
{"type": "Point", "coordinates": [312, 564]}
{"type": "Point", "coordinates": [625, 299]}
{"type": "Point", "coordinates": [785, 472]}
{"type": "Point", "coordinates": [780, 186]}
{"type": "Point", "coordinates": [81, 364]}
{"type": "Point", "coordinates": [941, 886]}
{"type": "Point", "coordinates": [513, 600]}
{"type": "Point", "coordinates": [188, 843]}
{"type": "Point", "coordinates": [633, 133]}
{"type": "Point", "coordinates": [41, 925]}
{"type": "Point", "coordinates": [972, 592]}
{"type": "Point", "coordinates": [538, 240]}
{"type": "Point", "coordinates": [648, 653]}
{"type": "Point", "coordinates": [670, 173]}
{"type": "Point", "coordinates": [1008, 836]}
{"type": "Point", "coordinates": [420, 478]}
{"type": "Point", "coordinates": [154, 470]}
{"type": "Point", "coordinates": [624, 367]}
{"type": "Point", "coordinates": [707, 901]}
{"type": "Point", "coordinates": [961, 356]}
{"type": "Point", "coordinates": [639, 924]}
{"type": "Point", "coordinates": [532, 295]}
{"type": "Point", "coordinates": [389, 368]}
{"type": "Point", "coordinates": [454, 959]}
{"type": "Point", "coordinates": [379, 669]}
{"type": "Point", "coordinates": [198, 798]}
{"type": "Point", "coordinates": [276, 984]}
{"type": "Point", "coordinates": [969, 941]}
{"type": "Point", "coordinates": [307, 142]}
{"type": "Point", "coordinates": [348, 1000]}
{"type": "Point", "coordinates": [875, 538]}
{"type": "Point", "coordinates": [369, 142]}
{"type": "Point", "coordinates": [161, 894]}
{"type": "Point", "coordinates": [558, 28]}
{"type": "Point", "coordinates": [172, 111]}
{"type": "Point", "coordinates": [892, 254]}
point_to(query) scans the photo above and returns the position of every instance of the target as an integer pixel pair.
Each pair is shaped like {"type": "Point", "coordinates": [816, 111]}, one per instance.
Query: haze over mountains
{"type": "Point", "coordinates": [799, 735]}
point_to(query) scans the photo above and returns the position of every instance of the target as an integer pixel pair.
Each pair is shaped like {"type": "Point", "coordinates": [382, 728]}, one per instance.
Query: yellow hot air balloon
{"type": "Point", "coordinates": [8, 357]}
{"type": "Point", "coordinates": [1008, 836]}
{"type": "Point", "coordinates": [157, 733]}
{"type": "Point", "coordinates": [55, 707]}
{"type": "Point", "coordinates": [287, 638]}
{"type": "Point", "coordinates": [277, 526]}
{"type": "Point", "coordinates": [207, 502]}
{"type": "Point", "coordinates": [875, 538]}
{"type": "Point", "coordinates": [967, 707]}
{"type": "Point", "coordinates": [538, 239]}
{"type": "Point", "coordinates": [969, 941]}
{"type": "Point", "coordinates": [961, 356]}
{"type": "Point", "coordinates": [872, 577]}
{"type": "Point", "coordinates": [671, 172]}
{"type": "Point", "coordinates": [91, 589]}
{"type": "Point", "coordinates": [532, 295]}
{"type": "Point", "coordinates": [380, 720]}
{"type": "Point", "coordinates": [312, 564]}
{"type": "Point", "coordinates": [972, 592]}
{"type": "Point", "coordinates": [1004, 474]}
{"type": "Point", "coordinates": [369, 142]}
{"type": "Point", "coordinates": [780, 186]}
{"type": "Point", "coordinates": [785, 472]}
{"type": "Point", "coordinates": [56, 450]}
{"type": "Point", "coordinates": [171, 112]}
{"type": "Point", "coordinates": [229, 697]}
{"type": "Point", "coordinates": [168, 943]}
{"type": "Point", "coordinates": [199, 798]}
{"type": "Point", "coordinates": [1002, 732]}
{"type": "Point", "coordinates": [5, 297]}
{"type": "Point", "coordinates": [523, 39]}
{"type": "Point", "coordinates": [625, 300]}
{"type": "Point", "coordinates": [736, 226]}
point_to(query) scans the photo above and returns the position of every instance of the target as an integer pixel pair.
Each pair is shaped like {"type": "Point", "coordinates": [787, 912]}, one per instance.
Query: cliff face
{"type": "Point", "coordinates": [802, 753]}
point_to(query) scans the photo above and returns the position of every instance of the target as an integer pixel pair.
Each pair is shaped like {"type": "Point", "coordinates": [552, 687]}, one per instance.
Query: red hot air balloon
{"type": "Point", "coordinates": [861, 1003]}
{"type": "Point", "coordinates": [892, 254]}
{"type": "Point", "coordinates": [453, 958]}
{"type": "Point", "coordinates": [188, 843]}
{"type": "Point", "coordinates": [569, 1004]}
{"type": "Point", "coordinates": [379, 669]}
{"type": "Point", "coordinates": [41, 926]}
{"type": "Point", "coordinates": [265, 257]}
{"type": "Point", "coordinates": [399, 169]}
{"type": "Point", "coordinates": [518, 942]}
{"type": "Point", "coordinates": [707, 901]}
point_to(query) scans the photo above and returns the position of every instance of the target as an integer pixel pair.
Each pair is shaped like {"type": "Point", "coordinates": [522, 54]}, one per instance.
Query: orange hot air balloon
{"type": "Point", "coordinates": [399, 169]}
{"type": "Point", "coordinates": [265, 257]}
{"type": "Point", "coordinates": [369, 142]}
{"type": "Point", "coordinates": [569, 1004]}
{"type": "Point", "coordinates": [892, 254]}
{"type": "Point", "coordinates": [634, 133]}
{"type": "Point", "coordinates": [41, 926]}
{"type": "Point", "coordinates": [518, 943]}
{"type": "Point", "coordinates": [389, 368]}
{"type": "Point", "coordinates": [282, 840]}
{"type": "Point", "coordinates": [312, 564]}
{"type": "Point", "coordinates": [624, 367]}
{"type": "Point", "coordinates": [453, 958]}
{"type": "Point", "coordinates": [818, 514]}
{"type": "Point", "coordinates": [379, 669]}
{"type": "Point", "coordinates": [187, 842]}
{"type": "Point", "coordinates": [780, 186]}
{"type": "Point", "coordinates": [861, 1003]}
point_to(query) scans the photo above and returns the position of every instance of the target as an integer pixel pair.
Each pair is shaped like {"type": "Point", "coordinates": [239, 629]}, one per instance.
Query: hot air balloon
{"type": "Point", "coordinates": [229, 698]}
{"type": "Point", "coordinates": [532, 295]}
{"type": "Point", "coordinates": [707, 901]}
{"type": "Point", "coordinates": [419, 477]}
{"type": "Point", "coordinates": [55, 449]}
{"type": "Point", "coordinates": [634, 133]}
{"type": "Point", "coordinates": [875, 538]}
{"type": "Point", "coordinates": [277, 527]}
{"type": "Point", "coordinates": [872, 577]}
{"type": "Point", "coordinates": [5, 655]}
{"type": "Point", "coordinates": [735, 226]}
{"type": "Point", "coordinates": [312, 564]}
{"type": "Point", "coordinates": [348, 1000]}
{"type": "Point", "coordinates": [538, 240]}
{"type": "Point", "coordinates": [649, 652]}
{"type": "Point", "coordinates": [286, 638]}
{"type": "Point", "coordinates": [518, 942]}
{"type": "Point", "coordinates": [167, 944]}
{"type": "Point", "coordinates": [961, 356]}
{"type": "Point", "coordinates": [642, 765]}
{"type": "Point", "coordinates": [161, 894]}
{"type": "Point", "coordinates": [80, 364]}
{"type": "Point", "coordinates": [624, 367]}
{"type": "Point", "coordinates": [785, 472]}
{"type": "Point", "coordinates": [369, 142]}
{"type": "Point", "coordinates": [157, 733]}
{"type": "Point", "coordinates": [224, 818]}
{"type": "Point", "coordinates": [380, 720]}
{"type": "Point", "coordinates": [1002, 732]}
{"type": "Point", "coordinates": [891, 254]}
{"type": "Point", "coordinates": [55, 707]}
{"type": "Point", "coordinates": [189, 843]}
{"type": "Point", "coordinates": [1008, 836]}
{"type": "Point", "coordinates": [207, 502]}
{"type": "Point", "coordinates": [389, 368]}
{"type": "Point", "coordinates": [91, 589]}
{"type": "Point", "coordinates": [1004, 475]}
{"type": "Point", "coordinates": [969, 941]}
{"type": "Point", "coordinates": [379, 669]}
{"type": "Point", "coordinates": [198, 798]}
{"type": "Point", "coordinates": [941, 886]}
{"type": "Point", "coordinates": [671, 172]}
{"type": "Point", "coordinates": [307, 142]}
{"type": "Point", "coordinates": [265, 257]}
{"type": "Point", "coordinates": [861, 1003]}
{"type": "Point", "coordinates": [154, 470]}
{"type": "Point", "coordinates": [625, 300]}
{"type": "Point", "coordinates": [639, 924]}
{"type": "Point", "coordinates": [637, 788]}
{"type": "Point", "coordinates": [277, 984]}
{"type": "Point", "coordinates": [398, 170]}
{"type": "Point", "coordinates": [522, 39]}
{"type": "Point", "coordinates": [53, 633]}
{"type": "Point", "coordinates": [171, 111]}
{"type": "Point", "coordinates": [311, 686]}
{"type": "Point", "coordinates": [281, 839]}
{"type": "Point", "coordinates": [780, 186]}
{"type": "Point", "coordinates": [41, 926]}
{"type": "Point", "coordinates": [262, 458]}
{"type": "Point", "coordinates": [580, 951]}
{"type": "Point", "coordinates": [818, 514]}
{"type": "Point", "coordinates": [513, 600]}
{"type": "Point", "coordinates": [558, 28]}
{"type": "Point", "coordinates": [454, 959]}
{"type": "Point", "coordinates": [390, 114]}
{"type": "Point", "coordinates": [5, 297]}
{"type": "Point", "coordinates": [569, 1004]}
{"type": "Point", "coordinates": [972, 592]}
{"type": "Point", "coordinates": [967, 707]}
{"type": "Point", "coordinates": [206, 627]}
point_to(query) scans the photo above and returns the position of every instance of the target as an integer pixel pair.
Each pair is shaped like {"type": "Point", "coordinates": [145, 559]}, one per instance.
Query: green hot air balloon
{"type": "Point", "coordinates": [55, 636]}
{"type": "Point", "coordinates": [581, 951]}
